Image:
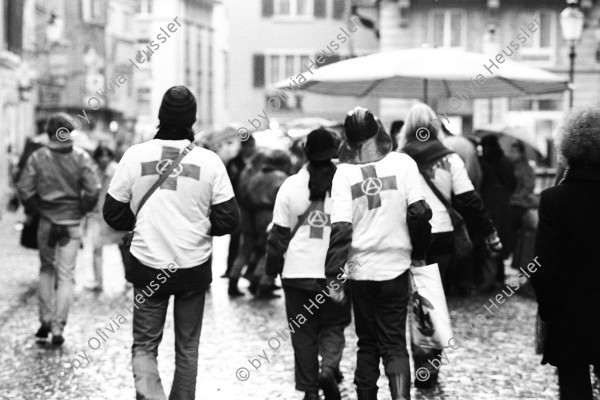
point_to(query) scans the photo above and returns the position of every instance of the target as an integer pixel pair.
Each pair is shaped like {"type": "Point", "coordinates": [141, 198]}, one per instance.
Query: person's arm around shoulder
{"type": "Point", "coordinates": [225, 215]}
{"type": "Point", "coordinates": [340, 238]}
{"type": "Point", "coordinates": [418, 214]}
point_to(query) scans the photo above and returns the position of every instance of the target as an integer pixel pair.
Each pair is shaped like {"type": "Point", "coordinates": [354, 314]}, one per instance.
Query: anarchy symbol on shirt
{"type": "Point", "coordinates": [317, 219]}
{"type": "Point", "coordinates": [163, 165]}
{"type": "Point", "coordinates": [371, 186]}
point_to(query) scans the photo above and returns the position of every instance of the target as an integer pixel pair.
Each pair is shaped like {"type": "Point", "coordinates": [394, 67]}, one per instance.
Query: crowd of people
{"type": "Point", "coordinates": [345, 224]}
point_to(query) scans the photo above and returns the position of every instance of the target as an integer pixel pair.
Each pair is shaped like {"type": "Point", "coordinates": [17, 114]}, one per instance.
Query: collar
{"type": "Point", "coordinates": [60, 147]}
{"type": "Point", "coordinates": [589, 173]}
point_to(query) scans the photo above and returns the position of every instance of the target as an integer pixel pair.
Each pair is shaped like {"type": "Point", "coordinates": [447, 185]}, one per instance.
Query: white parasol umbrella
{"type": "Point", "coordinates": [430, 72]}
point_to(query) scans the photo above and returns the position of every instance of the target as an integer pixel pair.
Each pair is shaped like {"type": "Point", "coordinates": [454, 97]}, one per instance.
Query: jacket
{"type": "Point", "coordinates": [567, 283]}
{"type": "Point", "coordinates": [60, 183]}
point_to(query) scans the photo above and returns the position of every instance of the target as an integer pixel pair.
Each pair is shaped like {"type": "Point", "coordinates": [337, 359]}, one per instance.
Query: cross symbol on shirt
{"type": "Point", "coordinates": [317, 220]}
{"type": "Point", "coordinates": [372, 185]}
{"type": "Point", "coordinates": [161, 166]}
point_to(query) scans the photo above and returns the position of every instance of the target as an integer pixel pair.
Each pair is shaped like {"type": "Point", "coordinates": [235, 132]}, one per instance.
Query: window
{"type": "Point", "coordinates": [549, 104]}
{"type": "Point", "coordinates": [339, 8]}
{"type": "Point", "coordinates": [91, 10]}
{"type": "Point", "coordinates": [282, 66]}
{"type": "Point", "coordinates": [448, 28]}
{"type": "Point", "coordinates": [293, 8]}
{"type": "Point", "coordinates": [539, 48]}
{"type": "Point", "coordinates": [146, 6]}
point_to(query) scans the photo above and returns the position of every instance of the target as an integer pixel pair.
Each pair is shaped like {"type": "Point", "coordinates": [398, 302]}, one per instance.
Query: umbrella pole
{"type": "Point", "coordinates": [425, 84]}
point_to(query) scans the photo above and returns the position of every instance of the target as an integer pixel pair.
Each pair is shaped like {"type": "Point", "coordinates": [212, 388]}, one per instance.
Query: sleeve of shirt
{"type": "Point", "coordinates": [341, 196]}
{"type": "Point", "coordinates": [121, 182]}
{"type": "Point", "coordinates": [281, 211]}
{"type": "Point", "coordinates": [27, 188]}
{"type": "Point", "coordinates": [414, 191]}
{"type": "Point", "coordinates": [222, 190]}
{"type": "Point", "coordinates": [460, 177]}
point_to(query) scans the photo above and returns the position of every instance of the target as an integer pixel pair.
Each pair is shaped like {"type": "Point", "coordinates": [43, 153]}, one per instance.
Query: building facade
{"type": "Point", "coordinates": [274, 40]}
{"type": "Point", "coordinates": [17, 100]}
{"type": "Point", "coordinates": [489, 26]}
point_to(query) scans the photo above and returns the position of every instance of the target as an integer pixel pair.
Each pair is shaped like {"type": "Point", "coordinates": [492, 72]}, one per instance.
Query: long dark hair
{"type": "Point", "coordinates": [321, 175]}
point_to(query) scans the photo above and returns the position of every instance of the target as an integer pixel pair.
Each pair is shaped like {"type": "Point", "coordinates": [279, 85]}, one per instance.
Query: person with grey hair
{"type": "Point", "coordinates": [567, 282]}
{"type": "Point", "coordinates": [58, 183]}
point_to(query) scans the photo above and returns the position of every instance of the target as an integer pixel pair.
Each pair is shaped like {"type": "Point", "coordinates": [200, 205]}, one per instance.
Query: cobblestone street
{"type": "Point", "coordinates": [498, 363]}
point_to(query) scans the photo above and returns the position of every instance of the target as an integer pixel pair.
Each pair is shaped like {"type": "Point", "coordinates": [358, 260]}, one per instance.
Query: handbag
{"type": "Point", "coordinates": [463, 246]}
{"type": "Point", "coordinates": [429, 316]}
{"type": "Point", "coordinates": [125, 243]}
{"type": "Point", "coordinates": [29, 232]}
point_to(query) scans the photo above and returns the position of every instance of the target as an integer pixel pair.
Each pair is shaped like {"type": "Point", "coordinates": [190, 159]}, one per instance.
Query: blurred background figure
{"type": "Point", "coordinates": [59, 183]}
{"type": "Point", "coordinates": [567, 282]}
{"type": "Point", "coordinates": [99, 233]}
{"type": "Point", "coordinates": [497, 187]}
{"type": "Point", "coordinates": [235, 167]}
{"type": "Point", "coordinates": [395, 131]}
{"type": "Point", "coordinates": [522, 207]}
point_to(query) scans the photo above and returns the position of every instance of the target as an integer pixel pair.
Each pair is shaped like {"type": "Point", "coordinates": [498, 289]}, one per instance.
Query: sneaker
{"type": "Point", "coordinates": [43, 332]}
{"type": "Point", "coordinates": [58, 340]}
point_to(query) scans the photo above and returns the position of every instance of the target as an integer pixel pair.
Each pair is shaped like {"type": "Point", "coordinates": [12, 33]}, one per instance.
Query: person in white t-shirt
{"type": "Point", "coordinates": [380, 223]}
{"type": "Point", "coordinates": [446, 172]}
{"type": "Point", "coordinates": [172, 243]}
{"type": "Point", "coordinates": [301, 227]}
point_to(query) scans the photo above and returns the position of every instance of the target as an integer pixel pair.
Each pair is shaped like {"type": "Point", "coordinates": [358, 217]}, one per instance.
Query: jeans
{"type": "Point", "coordinates": [58, 246]}
{"type": "Point", "coordinates": [574, 382]}
{"type": "Point", "coordinates": [148, 325]}
{"type": "Point", "coordinates": [380, 310]}
{"type": "Point", "coordinates": [321, 334]}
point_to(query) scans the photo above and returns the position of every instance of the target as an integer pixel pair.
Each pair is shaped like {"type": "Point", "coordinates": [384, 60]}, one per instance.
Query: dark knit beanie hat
{"type": "Point", "coordinates": [360, 124]}
{"type": "Point", "coordinates": [178, 108]}
{"type": "Point", "coordinates": [320, 145]}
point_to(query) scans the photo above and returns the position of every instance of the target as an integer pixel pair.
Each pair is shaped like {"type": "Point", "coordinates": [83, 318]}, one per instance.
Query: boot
{"type": "Point", "coordinates": [233, 290]}
{"type": "Point", "coordinates": [366, 393]}
{"type": "Point", "coordinates": [400, 386]}
{"type": "Point", "coordinates": [311, 396]}
{"type": "Point", "coordinates": [328, 382]}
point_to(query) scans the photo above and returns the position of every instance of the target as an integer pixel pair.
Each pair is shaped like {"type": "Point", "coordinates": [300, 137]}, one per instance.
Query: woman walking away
{"type": "Point", "coordinates": [99, 232]}
{"type": "Point", "coordinates": [301, 233]}
{"type": "Point", "coordinates": [443, 179]}
{"type": "Point", "coordinates": [566, 272]}
{"type": "Point", "coordinates": [380, 223]}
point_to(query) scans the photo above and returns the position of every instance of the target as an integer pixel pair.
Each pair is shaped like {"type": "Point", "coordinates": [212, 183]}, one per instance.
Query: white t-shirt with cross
{"type": "Point", "coordinates": [305, 257]}
{"type": "Point", "coordinates": [174, 223]}
{"type": "Point", "coordinates": [374, 197]}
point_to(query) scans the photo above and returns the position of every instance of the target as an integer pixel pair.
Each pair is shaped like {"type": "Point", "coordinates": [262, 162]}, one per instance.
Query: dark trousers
{"type": "Point", "coordinates": [574, 382]}
{"type": "Point", "coordinates": [234, 245]}
{"type": "Point", "coordinates": [380, 309]}
{"type": "Point", "coordinates": [321, 334]}
{"type": "Point", "coordinates": [148, 325]}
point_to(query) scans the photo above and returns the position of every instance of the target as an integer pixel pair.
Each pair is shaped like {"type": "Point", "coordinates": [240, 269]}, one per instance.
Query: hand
{"type": "Point", "coordinates": [338, 297]}
{"type": "Point", "coordinates": [418, 263]}
{"type": "Point", "coordinates": [494, 244]}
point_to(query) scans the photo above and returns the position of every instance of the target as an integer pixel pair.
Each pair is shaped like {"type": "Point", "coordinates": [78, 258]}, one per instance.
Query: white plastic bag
{"type": "Point", "coordinates": [430, 320]}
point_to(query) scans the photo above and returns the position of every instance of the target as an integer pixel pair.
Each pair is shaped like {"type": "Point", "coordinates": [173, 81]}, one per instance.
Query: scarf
{"type": "Point", "coordinates": [426, 153]}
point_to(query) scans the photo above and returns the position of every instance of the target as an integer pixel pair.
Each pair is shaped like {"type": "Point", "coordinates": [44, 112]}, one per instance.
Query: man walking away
{"type": "Point", "coordinates": [60, 185]}
{"type": "Point", "coordinates": [380, 221]}
{"type": "Point", "coordinates": [172, 239]}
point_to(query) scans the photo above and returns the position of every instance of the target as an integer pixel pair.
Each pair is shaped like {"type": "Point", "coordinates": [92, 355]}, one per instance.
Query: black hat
{"type": "Point", "coordinates": [178, 108]}
{"type": "Point", "coordinates": [320, 145]}
{"type": "Point", "coordinates": [360, 124]}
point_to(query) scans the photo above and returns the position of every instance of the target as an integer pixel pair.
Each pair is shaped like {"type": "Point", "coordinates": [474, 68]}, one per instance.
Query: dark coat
{"type": "Point", "coordinates": [567, 283]}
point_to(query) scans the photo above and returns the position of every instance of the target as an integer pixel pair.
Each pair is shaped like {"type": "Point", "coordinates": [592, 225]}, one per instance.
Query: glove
{"type": "Point", "coordinates": [494, 245]}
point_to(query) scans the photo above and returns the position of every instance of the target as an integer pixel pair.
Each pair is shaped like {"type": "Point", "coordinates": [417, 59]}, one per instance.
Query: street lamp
{"type": "Point", "coordinates": [571, 23]}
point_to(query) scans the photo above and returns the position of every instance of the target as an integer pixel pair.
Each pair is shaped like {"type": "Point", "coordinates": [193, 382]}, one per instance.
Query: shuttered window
{"type": "Point", "coordinates": [320, 8]}
{"type": "Point", "coordinates": [259, 70]}
{"type": "Point", "coordinates": [267, 8]}
{"type": "Point", "coordinates": [339, 7]}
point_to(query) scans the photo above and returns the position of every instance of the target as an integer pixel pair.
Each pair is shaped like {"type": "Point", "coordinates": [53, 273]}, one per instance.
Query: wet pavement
{"type": "Point", "coordinates": [497, 362]}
